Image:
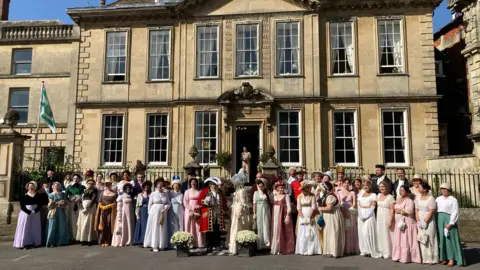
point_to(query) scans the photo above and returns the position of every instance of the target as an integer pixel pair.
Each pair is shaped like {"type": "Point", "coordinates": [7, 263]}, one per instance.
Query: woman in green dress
{"type": "Point", "coordinates": [450, 249]}
{"type": "Point", "coordinates": [57, 232]}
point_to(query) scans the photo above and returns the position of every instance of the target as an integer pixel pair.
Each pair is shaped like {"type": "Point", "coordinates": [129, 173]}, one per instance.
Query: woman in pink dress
{"type": "Point", "coordinates": [192, 213]}
{"type": "Point", "coordinates": [348, 201]}
{"type": "Point", "coordinates": [282, 240]}
{"type": "Point", "coordinates": [125, 225]}
{"type": "Point", "coordinates": [405, 244]}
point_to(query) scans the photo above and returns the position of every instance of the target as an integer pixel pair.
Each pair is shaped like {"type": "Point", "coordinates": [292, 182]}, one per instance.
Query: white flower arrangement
{"type": "Point", "coordinates": [245, 237]}
{"type": "Point", "coordinates": [182, 239]}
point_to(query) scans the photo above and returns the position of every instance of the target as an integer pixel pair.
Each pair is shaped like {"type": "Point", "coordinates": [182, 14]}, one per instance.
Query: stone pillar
{"type": "Point", "coordinates": [11, 159]}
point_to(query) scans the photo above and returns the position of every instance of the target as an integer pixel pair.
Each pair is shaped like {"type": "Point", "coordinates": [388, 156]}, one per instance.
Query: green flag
{"type": "Point", "coordinates": [46, 111]}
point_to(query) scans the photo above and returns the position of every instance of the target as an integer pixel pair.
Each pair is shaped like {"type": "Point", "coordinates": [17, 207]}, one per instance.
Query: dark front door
{"type": "Point", "coordinates": [248, 136]}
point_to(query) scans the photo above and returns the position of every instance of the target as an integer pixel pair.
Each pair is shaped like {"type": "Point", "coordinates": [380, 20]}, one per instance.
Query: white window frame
{"type": "Point", "coordinates": [406, 137]}
{"type": "Point", "coordinates": [105, 163]}
{"type": "Point", "coordinates": [198, 52]}
{"type": "Point", "coordinates": [150, 56]}
{"type": "Point", "coordinates": [300, 141]}
{"type": "Point", "coordinates": [157, 163]}
{"type": "Point", "coordinates": [355, 137]}
{"type": "Point", "coordinates": [200, 150]}
{"type": "Point", "coordinates": [333, 49]}
{"type": "Point", "coordinates": [15, 62]}
{"type": "Point", "coordinates": [439, 68]}
{"type": "Point", "coordinates": [277, 49]}
{"type": "Point", "coordinates": [381, 46]}
{"type": "Point", "coordinates": [10, 106]}
{"type": "Point", "coordinates": [244, 51]}
{"type": "Point", "coordinates": [106, 79]}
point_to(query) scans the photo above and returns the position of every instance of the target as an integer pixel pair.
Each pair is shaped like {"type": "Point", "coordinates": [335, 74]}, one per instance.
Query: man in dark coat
{"type": "Point", "coordinates": [380, 177]}
{"type": "Point", "coordinates": [401, 181]}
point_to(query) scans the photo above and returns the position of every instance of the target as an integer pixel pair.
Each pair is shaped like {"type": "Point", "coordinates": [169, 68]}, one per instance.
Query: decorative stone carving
{"type": "Point", "coordinates": [11, 119]}
{"type": "Point", "coordinates": [248, 98]}
{"type": "Point", "coordinates": [113, 110]}
{"type": "Point", "coordinates": [290, 106]}
{"type": "Point", "coordinates": [159, 110]}
{"type": "Point", "coordinates": [205, 107]}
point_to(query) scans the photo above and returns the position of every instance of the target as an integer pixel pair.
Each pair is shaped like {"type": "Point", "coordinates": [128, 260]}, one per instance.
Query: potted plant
{"type": "Point", "coordinates": [182, 241]}
{"type": "Point", "coordinates": [223, 159]}
{"type": "Point", "coordinates": [246, 241]}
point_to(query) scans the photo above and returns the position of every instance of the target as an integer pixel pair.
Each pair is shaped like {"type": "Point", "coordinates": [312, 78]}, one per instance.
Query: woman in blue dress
{"type": "Point", "coordinates": [176, 213]}
{"type": "Point", "coordinates": [141, 213]}
{"type": "Point", "coordinates": [57, 233]}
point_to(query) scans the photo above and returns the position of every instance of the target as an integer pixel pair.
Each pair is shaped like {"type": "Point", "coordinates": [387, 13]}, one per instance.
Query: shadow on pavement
{"type": "Point", "coordinates": [472, 254]}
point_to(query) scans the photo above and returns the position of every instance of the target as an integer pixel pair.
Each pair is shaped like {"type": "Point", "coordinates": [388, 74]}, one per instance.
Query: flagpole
{"type": "Point", "coordinates": [38, 126]}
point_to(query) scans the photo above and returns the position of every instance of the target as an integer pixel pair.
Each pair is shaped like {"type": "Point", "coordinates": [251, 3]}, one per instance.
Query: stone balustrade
{"type": "Point", "coordinates": [38, 33]}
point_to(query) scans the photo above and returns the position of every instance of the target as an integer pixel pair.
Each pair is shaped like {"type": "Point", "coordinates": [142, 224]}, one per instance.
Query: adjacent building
{"type": "Point", "coordinates": [33, 52]}
{"type": "Point", "coordinates": [325, 82]}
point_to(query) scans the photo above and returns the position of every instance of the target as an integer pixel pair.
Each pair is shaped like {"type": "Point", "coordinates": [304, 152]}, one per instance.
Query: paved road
{"type": "Point", "coordinates": [134, 258]}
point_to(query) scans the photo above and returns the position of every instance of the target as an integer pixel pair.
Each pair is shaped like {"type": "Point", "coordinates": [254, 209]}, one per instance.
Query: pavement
{"type": "Point", "coordinates": [136, 258]}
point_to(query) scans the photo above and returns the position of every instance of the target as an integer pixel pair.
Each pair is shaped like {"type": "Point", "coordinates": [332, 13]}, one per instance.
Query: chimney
{"type": "Point", "coordinates": [102, 3]}
{"type": "Point", "coordinates": [4, 7]}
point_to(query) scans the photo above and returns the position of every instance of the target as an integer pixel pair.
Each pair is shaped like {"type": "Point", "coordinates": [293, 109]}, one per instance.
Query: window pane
{"type": "Point", "coordinates": [247, 50]}
{"type": "Point", "coordinates": [112, 138]}
{"type": "Point", "coordinates": [289, 136]}
{"type": "Point", "coordinates": [159, 55]}
{"type": "Point", "coordinates": [115, 62]}
{"type": "Point", "coordinates": [394, 142]}
{"type": "Point", "coordinates": [342, 52]}
{"type": "Point", "coordinates": [22, 55]}
{"type": "Point", "coordinates": [344, 136]}
{"type": "Point", "coordinates": [23, 68]}
{"type": "Point", "coordinates": [19, 98]}
{"type": "Point", "coordinates": [288, 50]}
{"type": "Point", "coordinates": [206, 136]}
{"type": "Point", "coordinates": [207, 51]}
{"type": "Point", "coordinates": [158, 138]}
{"type": "Point", "coordinates": [390, 45]}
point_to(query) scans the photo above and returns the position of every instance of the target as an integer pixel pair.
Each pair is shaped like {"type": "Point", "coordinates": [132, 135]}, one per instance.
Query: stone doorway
{"type": "Point", "coordinates": [249, 136]}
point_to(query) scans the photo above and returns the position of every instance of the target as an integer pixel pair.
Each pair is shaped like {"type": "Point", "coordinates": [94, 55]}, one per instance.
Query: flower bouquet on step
{"type": "Point", "coordinates": [245, 237]}
{"type": "Point", "coordinates": [246, 241]}
{"type": "Point", "coordinates": [182, 239]}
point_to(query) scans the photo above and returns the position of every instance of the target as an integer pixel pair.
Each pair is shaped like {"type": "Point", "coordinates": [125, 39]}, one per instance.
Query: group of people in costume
{"type": "Point", "coordinates": [370, 216]}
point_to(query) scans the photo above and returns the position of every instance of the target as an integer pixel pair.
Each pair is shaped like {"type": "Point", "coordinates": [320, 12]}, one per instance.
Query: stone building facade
{"type": "Point", "coordinates": [33, 52]}
{"type": "Point", "coordinates": [324, 82]}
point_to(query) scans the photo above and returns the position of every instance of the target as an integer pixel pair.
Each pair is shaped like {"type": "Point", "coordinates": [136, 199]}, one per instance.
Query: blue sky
{"type": "Point", "coordinates": [55, 9]}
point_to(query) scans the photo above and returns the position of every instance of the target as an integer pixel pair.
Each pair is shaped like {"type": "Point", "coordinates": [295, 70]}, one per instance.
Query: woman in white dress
{"type": "Point", "coordinates": [425, 207]}
{"type": "Point", "coordinates": [86, 230]}
{"type": "Point", "coordinates": [240, 217]}
{"type": "Point", "coordinates": [367, 233]}
{"type": "Point", "coordinates": [385, 220]}
{"type": "Point", "coordinates": [156, 234]}
{"type": "Point", "coordinates": [261, 214]}
{"type": "Point", "coordinates": [307, 234]}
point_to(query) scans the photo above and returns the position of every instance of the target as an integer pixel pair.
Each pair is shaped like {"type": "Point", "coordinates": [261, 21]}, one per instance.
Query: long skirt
{"type": "Point", "coordinates": [44, 223]}
{"type": "Point", "coordinates": [263, 225]}
{"type": "Point", "coordinates": [367, 237]}
{"type": "Point", "coordinates": [156, 234]}
{"type": "Point", "coordinates": [307, 240]}
{"type": "Point", "coordinates": [384, 233]}
{"type": "Point", "coordinates": [123, 233]}
{"type": "Point", "coordinates": [72, 218]}
{"type": "Point", "coordinates": [334, 233]}
{"type": "Point", "coordinates": [57, 231]}
{"type": "Point", "coordinates": [141, 226]}
{"type": "Point", "coordinates": [405, 243]}
{"type": "Point", "coordinates": [86, 223]}
{"type": "Point", "coordinates": [28, 231]}
{"type": "Point", "coordinates": [429, 250]}
{"type": "Point", "coordinates": [351, 235]}
{"type": "Point", "coordinates": [105, 235]}
{"type": "Point", "coordinates": [449, 247]}
{"type": "Point", "coordinates": [176, 214]}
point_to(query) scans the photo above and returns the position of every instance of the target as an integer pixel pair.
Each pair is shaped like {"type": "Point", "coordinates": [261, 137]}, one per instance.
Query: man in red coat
{"type": "Point", "coordinates": [214, 209]}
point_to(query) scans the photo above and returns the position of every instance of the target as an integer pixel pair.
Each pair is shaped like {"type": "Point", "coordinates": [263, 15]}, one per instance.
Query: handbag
{"type": "Point", "coordinates": [320, 221]}
{"type": "Point", "coordinates": [401, 225]}
{"type": "Point", "coordinates": [422, 237]}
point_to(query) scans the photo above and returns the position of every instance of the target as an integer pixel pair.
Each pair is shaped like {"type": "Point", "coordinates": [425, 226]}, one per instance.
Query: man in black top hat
{"type": "Point", "coordinates": [380, 177]}
{"type": "Point", "coordinates": [48, 180]}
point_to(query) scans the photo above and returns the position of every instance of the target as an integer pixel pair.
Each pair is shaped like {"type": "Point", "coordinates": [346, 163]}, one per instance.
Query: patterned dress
{"type": "Point", "coordinates": [86, 219]}
{"type": "Point", "coordinates": [105, 218]}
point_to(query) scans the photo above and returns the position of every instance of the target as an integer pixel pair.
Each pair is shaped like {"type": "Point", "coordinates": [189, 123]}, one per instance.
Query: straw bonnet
{"type": "Point", "coordinates": [108, 181]}
{"type": "Point", "coordinates": [445, 186]}
{"type": "Point", "coordinates": [308, 184]}
{"type": "Point", "coordinates": [312, 176]}
{"type": "Point", "coordinates": [340, 169]}
{"type": "Point", "coordinates": [417, 177]}
{"type": "Point", "coordinates": [90, 180]}
{"type": "Point", "coordinates": [33, 183]}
